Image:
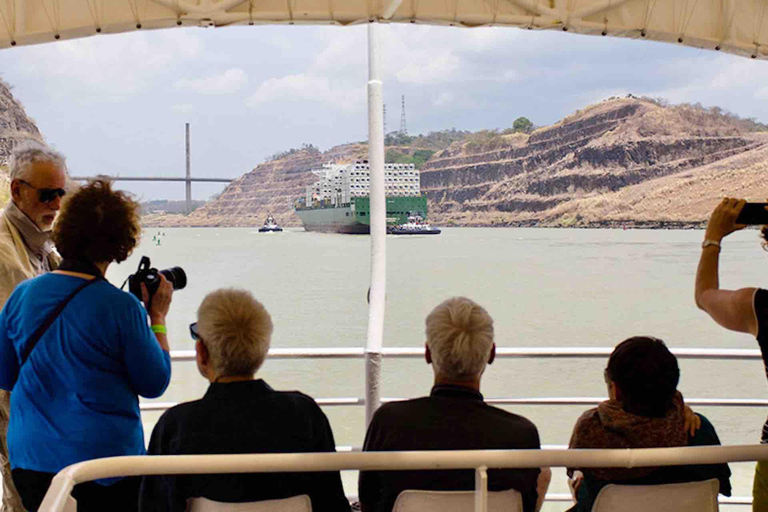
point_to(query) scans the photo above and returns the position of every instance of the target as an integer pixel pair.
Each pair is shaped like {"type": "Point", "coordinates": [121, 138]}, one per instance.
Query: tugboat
{"type": "Point", "coordinates": [270, 226]}
{"type": "Point", "coordinates": [415, 226]}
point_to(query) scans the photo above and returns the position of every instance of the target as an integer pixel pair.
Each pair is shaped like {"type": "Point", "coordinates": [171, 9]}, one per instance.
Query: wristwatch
{"type": "Point", "coordinates": [706, 243]}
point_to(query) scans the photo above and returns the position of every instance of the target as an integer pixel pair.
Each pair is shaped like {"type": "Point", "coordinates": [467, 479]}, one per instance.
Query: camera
{"type": "Point", "coordinates": [151, 278]}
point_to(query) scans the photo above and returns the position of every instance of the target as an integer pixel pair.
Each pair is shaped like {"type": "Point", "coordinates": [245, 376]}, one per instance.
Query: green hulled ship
{"type": "Point", "coordinates": [340, 201]}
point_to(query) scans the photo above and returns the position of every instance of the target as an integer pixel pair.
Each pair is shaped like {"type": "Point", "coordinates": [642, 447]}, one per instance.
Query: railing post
{"type": "Point", "coordinates": [378, 220]}
{"type": "Point", "coordinates": [481, 489]}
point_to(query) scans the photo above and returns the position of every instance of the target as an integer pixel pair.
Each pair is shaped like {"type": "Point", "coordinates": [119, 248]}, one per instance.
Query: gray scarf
{"type": "Point", "coordinates": [38, 243]}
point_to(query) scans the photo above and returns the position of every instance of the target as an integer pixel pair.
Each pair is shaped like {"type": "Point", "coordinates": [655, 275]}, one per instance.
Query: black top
{"type": "Point", "coordinates": [761, 310]}
{"type": "Point", "coordinates": [451, 418]}
{"type": "Point", "coordinates": [243, 417]}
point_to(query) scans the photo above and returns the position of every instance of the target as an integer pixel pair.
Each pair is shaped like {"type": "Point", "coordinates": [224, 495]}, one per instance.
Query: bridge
{"type": "Point", "coordinates": [188, 179]}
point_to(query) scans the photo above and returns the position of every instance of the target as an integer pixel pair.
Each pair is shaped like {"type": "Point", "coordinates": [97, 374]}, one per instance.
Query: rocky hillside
{"type": "Point", "coordinates": [14, 123]}
{"type": "Point", "coordinates": [14, 127]}
{"type": "Point", "coordinates": [625, 161]}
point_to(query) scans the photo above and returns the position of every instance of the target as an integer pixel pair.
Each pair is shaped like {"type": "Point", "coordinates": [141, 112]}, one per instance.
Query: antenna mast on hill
{"type": "Point", "coordinates": [403, 128]}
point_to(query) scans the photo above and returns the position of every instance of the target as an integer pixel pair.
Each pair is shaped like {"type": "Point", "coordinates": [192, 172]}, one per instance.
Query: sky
{"type": "Point", "coordinates": [117, 104]}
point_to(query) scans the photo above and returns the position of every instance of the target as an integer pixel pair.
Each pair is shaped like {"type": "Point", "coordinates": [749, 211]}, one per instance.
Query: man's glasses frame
{"type": "Point", "coordinates": [193, 332]}
{"type": "Point", "coordinates": [46, 195]}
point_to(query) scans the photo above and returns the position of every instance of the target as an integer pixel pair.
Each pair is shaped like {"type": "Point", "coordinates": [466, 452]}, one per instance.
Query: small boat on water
{"type": "Point", "coordinates": [416, 225]}
{"type": "Point", "coordinates": [270, 226]}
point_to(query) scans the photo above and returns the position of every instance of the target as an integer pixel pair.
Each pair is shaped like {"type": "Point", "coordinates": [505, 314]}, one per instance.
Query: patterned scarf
{"type": "Point", "coordinates": [38, 243]}
{"type": "Point", "coordinates": [609, 426]}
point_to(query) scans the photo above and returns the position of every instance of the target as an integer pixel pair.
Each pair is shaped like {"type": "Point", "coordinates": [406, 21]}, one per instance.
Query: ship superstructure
{"type": "Point", "coordinates": [339, 202]}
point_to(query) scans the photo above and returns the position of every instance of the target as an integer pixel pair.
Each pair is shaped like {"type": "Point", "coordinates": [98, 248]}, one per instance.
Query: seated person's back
{"type": "Point", "coordinates": [644, 410]}
{"type": "Point", "coordinates": [240, 414]}
{"type": "Point", "coordinates": [454, 416]}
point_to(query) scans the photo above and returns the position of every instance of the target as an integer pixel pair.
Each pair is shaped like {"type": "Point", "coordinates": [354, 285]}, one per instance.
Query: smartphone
{"type": "Point", "coordinates": [753, 213]}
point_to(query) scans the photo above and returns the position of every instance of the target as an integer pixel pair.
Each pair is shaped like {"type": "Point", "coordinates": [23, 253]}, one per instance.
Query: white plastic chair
{"type": "Point", "coordinates": [300, 503]}
{"type": "Point", "coordinates": [456, 501]}
{"type": "Point", "coordinates": [684, 497]}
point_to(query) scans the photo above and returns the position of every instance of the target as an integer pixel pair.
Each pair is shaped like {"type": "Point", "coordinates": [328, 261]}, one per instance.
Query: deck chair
{"type": "Point", "coordinates": [684, 497]}
{"type": "Point", "coordinates": [456, 501]}
{"type": "Point", "coordinates": [300, 503]}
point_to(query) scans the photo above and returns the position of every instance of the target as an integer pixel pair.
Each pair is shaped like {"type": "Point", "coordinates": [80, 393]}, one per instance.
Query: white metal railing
{"type": "Point", "coordinates": [479, 460]}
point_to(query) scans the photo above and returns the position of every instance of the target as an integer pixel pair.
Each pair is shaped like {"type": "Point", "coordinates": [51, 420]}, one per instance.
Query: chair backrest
{"type": "Point", "coordinates": [685, 497]}
{"type": "Point", "coordinates": [456, 501]}
{"type": "Point", "coordinates": [300, 503]}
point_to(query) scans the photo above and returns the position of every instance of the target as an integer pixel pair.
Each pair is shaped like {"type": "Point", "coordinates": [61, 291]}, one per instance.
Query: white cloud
{"type": "Point", "coordinates": [109, 66]}
{"type": "Point", "coordinates": [231, 81]}
{"type": "Point", "coordinates": [306, 87]}
{"type": "Point", "coordinates": [443, 99]}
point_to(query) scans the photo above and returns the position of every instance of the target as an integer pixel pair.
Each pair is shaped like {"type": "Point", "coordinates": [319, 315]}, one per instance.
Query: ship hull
{"type": "Point", "coordinates": [354, 218]}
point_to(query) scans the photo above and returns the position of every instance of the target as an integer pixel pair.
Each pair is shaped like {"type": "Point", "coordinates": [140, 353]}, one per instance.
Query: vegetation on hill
{"type": "Point", "coordinates": [166, 206]}
{"type": "Point", "coordinates": [307, 147]}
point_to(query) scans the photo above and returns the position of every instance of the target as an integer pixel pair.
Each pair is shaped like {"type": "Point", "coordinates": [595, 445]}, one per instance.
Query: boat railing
{"type": "Point", "coordinates": [56, 499]}
{"type": "Point", "coordinates": [372, 376]}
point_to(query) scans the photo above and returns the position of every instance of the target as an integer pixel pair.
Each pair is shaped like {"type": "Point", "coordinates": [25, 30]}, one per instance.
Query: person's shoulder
{"type": "Point", "coordinates": [179, 413]}
{"type": "Point", "coordinates": [705, 435]}
{"type": "Point", "coordinates": [399, 410]}
{"type": "Point", "coordinates": [511, 419]}
{"type": "Point", "coordinates": [115, 296]}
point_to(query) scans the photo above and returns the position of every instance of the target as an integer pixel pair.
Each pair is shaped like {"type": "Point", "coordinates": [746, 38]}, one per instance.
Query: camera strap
{"type": "Point", "coordinates": [32, 341]}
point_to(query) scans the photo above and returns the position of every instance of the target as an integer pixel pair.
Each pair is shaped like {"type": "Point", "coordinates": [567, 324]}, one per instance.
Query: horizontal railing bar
{"type": "Point", "coordinates": [505, 352]}
{"type": "Point", "coordinates": [713, 402]}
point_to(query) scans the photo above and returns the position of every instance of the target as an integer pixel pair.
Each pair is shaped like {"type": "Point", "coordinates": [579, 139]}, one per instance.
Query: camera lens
{"type": "Point", "coordinates": [176, 276]}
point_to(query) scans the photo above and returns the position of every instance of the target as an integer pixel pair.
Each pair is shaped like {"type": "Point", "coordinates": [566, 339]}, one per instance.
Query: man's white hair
{"type": "Point", "coordinates": [236, 329]}
{"type": "Point", "coordinates": [31, 152]}
{"type": "Point", "coordinates": [460, 338]}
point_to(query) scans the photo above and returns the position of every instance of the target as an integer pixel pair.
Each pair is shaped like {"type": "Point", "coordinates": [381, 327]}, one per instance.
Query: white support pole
{"type": "Point", "coordinates": [378, 220]}
{"type": "Point", "coordinates": [481, 489]}
{"type": "Point", "coordinates": [189, 176]}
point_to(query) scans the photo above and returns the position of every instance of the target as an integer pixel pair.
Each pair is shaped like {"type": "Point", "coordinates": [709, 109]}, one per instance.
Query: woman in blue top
{"type": "Point", "coordinates": [75, 392]}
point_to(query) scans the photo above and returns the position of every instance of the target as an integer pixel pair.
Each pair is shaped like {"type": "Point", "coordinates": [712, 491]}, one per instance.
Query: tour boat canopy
{"type": "Point", "coordinates": [733, 26]}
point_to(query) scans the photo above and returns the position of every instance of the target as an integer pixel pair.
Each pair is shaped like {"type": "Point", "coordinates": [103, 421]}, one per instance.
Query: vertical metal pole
{"type": "Point", "coordinates": [189, 175]}
{"type": "Point", "coordinates": [376, 307]}
{"type": "Point", "coordinates": [481, 489]}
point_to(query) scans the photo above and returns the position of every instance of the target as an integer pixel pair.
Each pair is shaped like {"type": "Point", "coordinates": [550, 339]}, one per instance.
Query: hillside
{"type": "Point", "coordinates": [15, 126]}
{"type": "Point", "coordinates": [614, 162]}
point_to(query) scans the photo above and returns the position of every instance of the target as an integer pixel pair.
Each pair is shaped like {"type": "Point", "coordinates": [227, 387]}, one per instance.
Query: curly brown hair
{"type": "Point", "coordinates": [97, 224]}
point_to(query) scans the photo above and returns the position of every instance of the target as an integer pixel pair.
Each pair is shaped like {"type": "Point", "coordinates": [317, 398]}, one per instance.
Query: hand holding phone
{"type": "Point", "coordinates": [753, 213]}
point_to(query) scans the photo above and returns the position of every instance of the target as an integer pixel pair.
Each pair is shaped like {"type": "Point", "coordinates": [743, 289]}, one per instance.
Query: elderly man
{"type": "Point", "coordinates": [454, 416]}
{"type": "Point", "coordinates": [38, 178]}
{"type": "Point", "coordinates": [240, 414]}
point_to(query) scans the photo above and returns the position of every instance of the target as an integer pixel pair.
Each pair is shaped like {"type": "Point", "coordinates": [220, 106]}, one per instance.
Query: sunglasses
{"type": "Point", "coordinates": [194, 332]}
{"type": "Point", "coordinates": [46, 195]}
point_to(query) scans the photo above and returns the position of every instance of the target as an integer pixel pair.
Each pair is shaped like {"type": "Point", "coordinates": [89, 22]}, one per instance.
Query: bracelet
{"type": "Point", "coordinates": [159, 329]}
{"type": "Point", "coordinates": [707, 242]}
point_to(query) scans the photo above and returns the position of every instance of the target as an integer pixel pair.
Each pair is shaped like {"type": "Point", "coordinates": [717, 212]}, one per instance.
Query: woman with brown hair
{"type": "Point", "coordinates": [76, 352]}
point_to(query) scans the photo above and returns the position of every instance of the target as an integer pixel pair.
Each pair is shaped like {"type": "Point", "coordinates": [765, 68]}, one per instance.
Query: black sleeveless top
{"type": "Point", "coordinates": [761, 311]}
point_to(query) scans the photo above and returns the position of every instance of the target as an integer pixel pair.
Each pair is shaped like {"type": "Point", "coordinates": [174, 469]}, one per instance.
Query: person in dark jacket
{"type": "Point", "coordinates": [453, 417]}
{"type": "Point", "coordinates": [239, 414]}
{"type": "Point", "coordinates": [644, 410]}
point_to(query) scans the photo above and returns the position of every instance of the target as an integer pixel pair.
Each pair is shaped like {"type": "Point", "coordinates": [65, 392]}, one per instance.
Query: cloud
{"type": "Point", "coordinates": [231, 81]}
{"type": "Point", "coordinates": [111, 67]}
{"type": "Point", "coordinates": [306, 87]}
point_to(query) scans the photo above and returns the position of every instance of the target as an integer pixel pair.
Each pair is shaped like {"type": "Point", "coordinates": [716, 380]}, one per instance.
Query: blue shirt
{"type": "Point", "coordinates": [75, 398]}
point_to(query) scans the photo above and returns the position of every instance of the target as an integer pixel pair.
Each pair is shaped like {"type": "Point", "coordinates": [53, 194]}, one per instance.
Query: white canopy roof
{"type": "Point", "coordinates": [735, 26]}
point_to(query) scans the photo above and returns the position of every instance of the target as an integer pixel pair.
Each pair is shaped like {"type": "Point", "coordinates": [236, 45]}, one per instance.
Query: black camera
{"type": "Point", "coordinates": [151, 278]}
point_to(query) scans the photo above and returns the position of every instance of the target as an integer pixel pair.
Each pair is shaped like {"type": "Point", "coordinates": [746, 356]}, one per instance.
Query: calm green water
{"type": "Point", "coordinates": [544, 288]}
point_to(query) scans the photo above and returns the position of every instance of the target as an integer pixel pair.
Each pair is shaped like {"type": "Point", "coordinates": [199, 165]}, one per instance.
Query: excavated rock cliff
{"type": "Point", "coordinates": [557, 175]}
{"type": "Point", "coordinates": [625, 161]}
{"type": "Point", "coordinates": [15, 125]}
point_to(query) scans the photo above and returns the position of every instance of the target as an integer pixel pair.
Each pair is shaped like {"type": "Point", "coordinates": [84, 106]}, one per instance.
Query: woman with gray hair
{"type": "Point", "coordinates": [240, 414]}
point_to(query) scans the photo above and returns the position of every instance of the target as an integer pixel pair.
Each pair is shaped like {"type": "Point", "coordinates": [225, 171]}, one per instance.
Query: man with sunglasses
{"type": "Point", "coordinates": [38, 178]}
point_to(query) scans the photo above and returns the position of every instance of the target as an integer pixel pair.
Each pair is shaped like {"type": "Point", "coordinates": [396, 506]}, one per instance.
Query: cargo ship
{"type": "Point", "coordinates": [339, 202]}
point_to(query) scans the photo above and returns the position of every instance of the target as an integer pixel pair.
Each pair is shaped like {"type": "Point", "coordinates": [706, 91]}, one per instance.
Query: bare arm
{"type": "Point", "coordinates": [732, 309]}
{"type": "Point", "coordinates": [542, 484]}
